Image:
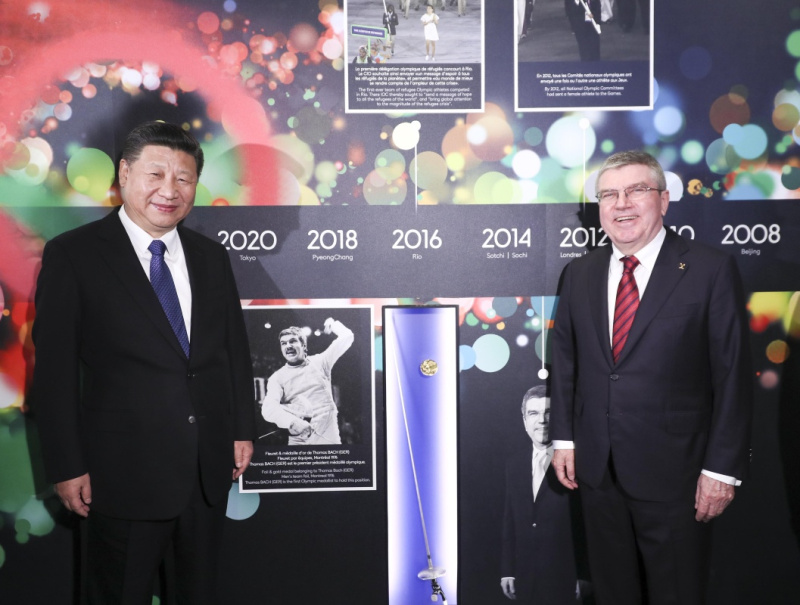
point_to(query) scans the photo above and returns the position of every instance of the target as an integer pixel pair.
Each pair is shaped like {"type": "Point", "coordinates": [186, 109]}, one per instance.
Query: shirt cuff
{"type": "Point", "coordinates": [722, 478]}
{"type": "Point", "coordinates": [563, 445]}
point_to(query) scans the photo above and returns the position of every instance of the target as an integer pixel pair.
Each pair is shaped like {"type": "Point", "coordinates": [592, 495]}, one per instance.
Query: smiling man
{"type": "Point", "coordinates": [300, 395]}
{"type": "Point", "coordinates": [143, 386]}
{"type": "Point", "coordinates": [652, 392]}
{"type": "Point", "coordinates": [538, 563]}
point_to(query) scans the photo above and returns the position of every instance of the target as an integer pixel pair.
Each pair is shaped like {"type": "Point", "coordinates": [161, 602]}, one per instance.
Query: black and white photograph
{"type": "Point", "coordinates": [414, 55]}
{"type": "Point", "coordinates": [583, 54]}
{"type": "Point", "coordinates": [543, 556]}
{"type": "Point", "coordinates": [312, 373]}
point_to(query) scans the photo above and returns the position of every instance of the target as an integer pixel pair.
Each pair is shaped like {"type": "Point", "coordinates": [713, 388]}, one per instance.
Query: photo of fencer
{"type": "Point", "coordinates": [542, 558]}
{"type": "Point", "coordinates": [299, 396]}
{"type": "Point", "coordinates": [312, 371]}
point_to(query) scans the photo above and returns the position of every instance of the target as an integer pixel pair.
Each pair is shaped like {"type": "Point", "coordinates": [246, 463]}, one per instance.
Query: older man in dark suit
{"type": "Point", "coordinates": [143, 383]}
{"type": "Point", "coordinates": [652, 392]}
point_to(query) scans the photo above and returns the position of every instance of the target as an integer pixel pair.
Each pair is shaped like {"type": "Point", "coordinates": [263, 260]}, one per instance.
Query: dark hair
{"type": "Point", "coordinates": [540, 391]}
{"type": "Point", "coordinates": [163, 135]}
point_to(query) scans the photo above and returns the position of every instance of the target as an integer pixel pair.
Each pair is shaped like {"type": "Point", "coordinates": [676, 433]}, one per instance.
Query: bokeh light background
{"type": "Point", "coordinates": [263, 90]}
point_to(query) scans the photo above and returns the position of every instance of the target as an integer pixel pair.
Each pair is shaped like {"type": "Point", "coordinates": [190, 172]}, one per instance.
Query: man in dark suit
{"type": "Point", "coordinates": [144, 390]}
{"type": "Point", "coordinates": [580, 22]}
{"type": "Point", "coordinates": [538, 562]}
{"type": "Point", "coordinates": [652, 393]}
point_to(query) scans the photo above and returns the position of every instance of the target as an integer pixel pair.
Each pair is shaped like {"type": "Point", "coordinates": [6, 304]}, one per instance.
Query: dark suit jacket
{"type": "Point", "coordinates": [680, 398]}
{"type": "Point", "coordinates": [114, 394]}
{"type": "Point", "coordinates": [585, 35]}
{"type": "Point", "coordinates": [538, 543]}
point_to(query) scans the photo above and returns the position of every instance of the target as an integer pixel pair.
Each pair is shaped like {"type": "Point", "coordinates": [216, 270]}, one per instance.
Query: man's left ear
{"type": "Point", "coordinates": [664, 202]}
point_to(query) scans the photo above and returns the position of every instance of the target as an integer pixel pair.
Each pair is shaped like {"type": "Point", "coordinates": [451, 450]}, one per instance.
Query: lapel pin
{"type": "Point", "coordinates": [681, 266]}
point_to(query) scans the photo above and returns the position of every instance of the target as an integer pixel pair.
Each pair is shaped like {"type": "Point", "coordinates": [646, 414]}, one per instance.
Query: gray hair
{"type": "Point", "coordinates": [540, 391]}
{"type": "Point", "coordinates": [630, 158]}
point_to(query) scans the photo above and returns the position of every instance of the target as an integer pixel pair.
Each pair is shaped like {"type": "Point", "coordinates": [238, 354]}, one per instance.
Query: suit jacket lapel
{"type": "Point", "coordinates": [116, 250]}
{"type": "Point", "coordinates": [523, 480]}
{"type": "Point", "coordinates": [667, 273]}
{"type": "Point", "coordinates": [198, 276]}
{"type": "Point", "coordinates": [598, 299]}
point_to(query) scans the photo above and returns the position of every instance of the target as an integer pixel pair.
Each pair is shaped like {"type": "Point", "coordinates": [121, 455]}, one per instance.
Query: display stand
{"type": "Point", "coordinates": [421, 394]}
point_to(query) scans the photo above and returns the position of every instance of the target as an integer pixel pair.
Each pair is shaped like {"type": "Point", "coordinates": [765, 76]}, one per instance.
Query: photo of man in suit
{"type": "Point", "coordinates": [539, 557]}
{"type": "Point", "coordinates": [651, 392]}
{"type": "Point", "coordinates": [143, 386]}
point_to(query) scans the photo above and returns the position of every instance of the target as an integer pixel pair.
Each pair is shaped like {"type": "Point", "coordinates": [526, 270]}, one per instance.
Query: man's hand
{"type": "Point", "coordinates": [507, 584]}
{"type": "Point", "coordinates": [76, 494]}
{"type": "Point", "coordinates": [300, 428]}
{"type": "Point", "coordinates": [242, 452]}
{"type": "Point", "coordinates": [564, 463]}
{"type": "Point", "coordinates": [327, 327]}
{"type": "Point", "coordinates": [712, 497]}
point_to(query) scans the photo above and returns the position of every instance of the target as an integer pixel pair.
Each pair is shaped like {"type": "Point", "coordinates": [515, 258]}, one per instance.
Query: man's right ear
{"type": "Point", "coordinates": [124, 167]}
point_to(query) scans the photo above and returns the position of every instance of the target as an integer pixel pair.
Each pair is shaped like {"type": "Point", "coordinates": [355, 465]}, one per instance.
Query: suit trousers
{"type": "Point", "coordinates": [124, 556]}
{"type": "Point", "coordinates": [625, 535]}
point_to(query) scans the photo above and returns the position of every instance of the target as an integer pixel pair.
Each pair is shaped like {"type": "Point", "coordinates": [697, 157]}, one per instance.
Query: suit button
{"type": "Point", "coordinates": [534, 525]}
{"type": "Point", "coordinates": [192, 420]}
{"type": "Point", "coordinates": [191, 375]}
{"type": "Point", "coordinates": [614, 377]}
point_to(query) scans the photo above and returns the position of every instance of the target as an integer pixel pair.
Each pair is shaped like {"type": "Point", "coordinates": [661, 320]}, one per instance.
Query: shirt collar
{"type": "Point", "coordinates": [646, 256]}
{"type": "Point", "coordinates": [141, 239]}
{"type": "Point", "coordinates": [545, 450]}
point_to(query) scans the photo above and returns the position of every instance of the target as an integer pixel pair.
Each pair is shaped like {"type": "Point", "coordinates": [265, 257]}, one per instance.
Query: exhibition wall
{"type": "Point", "coordinates": [340, 188]}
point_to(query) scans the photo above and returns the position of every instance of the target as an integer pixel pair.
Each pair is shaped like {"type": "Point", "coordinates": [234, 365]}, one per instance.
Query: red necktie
{"type": "Point", "coordinates": [625, 308]}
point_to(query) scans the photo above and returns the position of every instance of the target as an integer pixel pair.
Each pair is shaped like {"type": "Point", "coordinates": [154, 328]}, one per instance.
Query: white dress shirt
{"type": "Point", "coordinates": [540, 462]}
{"type": "Point", "coordinates": [174, 257]}
{"type": "Point", "coordinates": [647, 260]}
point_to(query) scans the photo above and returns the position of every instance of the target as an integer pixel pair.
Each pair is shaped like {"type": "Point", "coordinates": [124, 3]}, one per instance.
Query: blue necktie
{"type": "Point", "coordinates": [162, 282]}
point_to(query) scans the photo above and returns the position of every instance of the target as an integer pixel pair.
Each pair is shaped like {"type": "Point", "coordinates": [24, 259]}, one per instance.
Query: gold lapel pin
{"type": "Point", "coordinates": [681, 266]}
